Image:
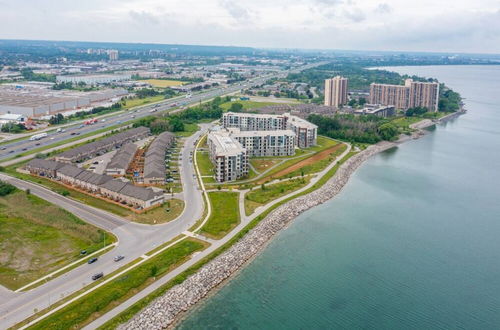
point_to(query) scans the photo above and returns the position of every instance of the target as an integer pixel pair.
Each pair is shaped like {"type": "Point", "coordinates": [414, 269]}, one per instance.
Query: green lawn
{"type": "Point", "coordinates": [130, 103]}
{"type": "Point", "coordinates": [225, 214]}
{"type": "Point", "coordinates": [259, 196]}
{"type": "Point", "coordinates": [247, 105]}
{"type": "Point", "coordinates": [37, 238]}
{"type": "Point", "coordinates": [189, 129]}
{"type": "Point", "coordinates": [91, 306]}
{"type": "Point", "coordinates": [204, 163]}
{"type": "Point", "coordinates": [161, 214]}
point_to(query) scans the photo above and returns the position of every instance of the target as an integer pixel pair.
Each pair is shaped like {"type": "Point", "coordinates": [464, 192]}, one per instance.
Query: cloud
{"type": "Point", "coordinates": [235, 10]}
{"type": "Point", "coordinates": [383, 8]}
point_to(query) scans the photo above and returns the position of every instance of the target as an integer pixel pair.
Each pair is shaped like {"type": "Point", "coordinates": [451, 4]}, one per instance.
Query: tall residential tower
{"type": "Point", "coordinates": [336, 91]}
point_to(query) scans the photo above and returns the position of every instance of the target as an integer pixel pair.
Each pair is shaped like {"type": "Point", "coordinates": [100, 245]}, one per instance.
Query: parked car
{"type": "Point", "coordinates": [92, 260]}
{"type": "Point", "coordinates": [97, 276]}
{"type": "Point", "coordinates": [118, 258]}
{"type": "Point", "coordinates": [83, 252]}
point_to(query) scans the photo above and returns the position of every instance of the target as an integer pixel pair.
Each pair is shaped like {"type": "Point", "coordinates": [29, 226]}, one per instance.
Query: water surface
{"type": "Point", "coordinates": [412, 242]}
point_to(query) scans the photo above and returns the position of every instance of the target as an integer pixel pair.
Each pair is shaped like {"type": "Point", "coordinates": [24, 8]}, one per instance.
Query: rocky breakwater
{"type": "Point", "coordinates": [165, 310]}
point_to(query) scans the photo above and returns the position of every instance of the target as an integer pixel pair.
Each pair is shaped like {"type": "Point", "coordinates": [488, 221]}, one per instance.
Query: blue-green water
{"type": "Point", "coordinates": [412, 242]}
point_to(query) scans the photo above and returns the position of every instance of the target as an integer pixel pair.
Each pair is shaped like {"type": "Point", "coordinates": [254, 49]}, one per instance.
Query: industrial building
{"type": "Point", "coordinates": [97, 184]}
{"type": "Point", "coordinates": [33, 101]}
{"type": "Point", "coordinates": [95, 79]}
{"type": "Point", "coordinates": [93, 149]}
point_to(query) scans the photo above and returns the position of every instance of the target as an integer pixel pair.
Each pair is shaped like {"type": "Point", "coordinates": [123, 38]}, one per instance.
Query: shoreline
{"type": "Point", "coordinates": [170, 309]}
{"type": "Point", "coordinates": [166, 311]}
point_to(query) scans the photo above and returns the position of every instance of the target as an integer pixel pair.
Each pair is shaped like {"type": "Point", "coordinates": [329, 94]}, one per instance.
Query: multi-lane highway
{"type": "Point", "coordinates": [134, 239]}
{"type": "Point", "coordinates": [9, 150]}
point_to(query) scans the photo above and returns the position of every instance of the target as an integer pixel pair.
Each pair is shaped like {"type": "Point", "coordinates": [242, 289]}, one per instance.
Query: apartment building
{"type": "Point", "coordinates": [253, 122]}
{"type": "Point", "coordinates": [305, 132]}
{"type": "Point", "coordinates": [336, 91]}
{"type": "Point", "coordinates": [265, 143]}
{"type": "Point", "coordinates": [411, 94]}
{"type": "Point", "coordinates": [229, 157]}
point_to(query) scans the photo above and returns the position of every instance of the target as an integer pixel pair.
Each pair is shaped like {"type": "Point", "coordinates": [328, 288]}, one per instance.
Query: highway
{"type": "Point", "coordinates": [134, 240]}
{"type": "Point", "coordinates": [9, 150]}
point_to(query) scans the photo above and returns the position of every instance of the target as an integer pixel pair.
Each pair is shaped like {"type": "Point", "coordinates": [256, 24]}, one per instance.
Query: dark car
{"type": "Point", "coordinates": [83, 252]}
{"type": "Point", "coordinates": [24, 149]}
{"type": "Point", "coordinates": [97, 276]}
{"type": "Point", "coordinates": [73, 133]}
{"type": "Point", "coordinates": [92, 260]}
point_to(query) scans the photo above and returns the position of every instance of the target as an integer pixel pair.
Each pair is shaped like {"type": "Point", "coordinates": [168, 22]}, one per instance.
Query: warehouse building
{"type": "Point", "coordinates": [95, 79]}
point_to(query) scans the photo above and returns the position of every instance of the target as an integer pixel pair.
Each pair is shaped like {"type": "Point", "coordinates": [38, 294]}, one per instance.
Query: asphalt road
{"type": "Point", "coordinates": [17, 147]}
{"type": "Point", "coordinates": [134, 241]}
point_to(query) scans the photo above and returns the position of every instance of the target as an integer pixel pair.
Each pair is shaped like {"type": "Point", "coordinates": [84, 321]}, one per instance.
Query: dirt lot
{"type": "Point", "coordinates": [308, 161]}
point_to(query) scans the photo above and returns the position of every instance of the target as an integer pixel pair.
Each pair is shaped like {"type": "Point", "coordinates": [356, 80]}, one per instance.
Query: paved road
{"type": "Point", "coordinates": [18, 147]}
{"type": "Point", "coordinates": [134, 241]}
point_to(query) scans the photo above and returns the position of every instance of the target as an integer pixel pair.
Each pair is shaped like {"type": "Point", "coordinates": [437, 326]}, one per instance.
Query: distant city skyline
{"type": "Point", "coordinates": [433, 26]}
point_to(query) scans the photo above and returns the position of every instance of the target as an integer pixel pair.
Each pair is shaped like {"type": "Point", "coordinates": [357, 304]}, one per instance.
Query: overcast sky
{"type": "Point", "coordinates": [417, 25]}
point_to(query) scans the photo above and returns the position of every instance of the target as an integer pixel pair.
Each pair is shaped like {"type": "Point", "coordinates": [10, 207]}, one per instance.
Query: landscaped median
{"type": "Point", "coordinates": [89, 307]}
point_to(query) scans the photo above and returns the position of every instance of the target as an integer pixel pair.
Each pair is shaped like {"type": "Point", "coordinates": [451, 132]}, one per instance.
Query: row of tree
{"type": "Point", "coordinates": [363, 129]}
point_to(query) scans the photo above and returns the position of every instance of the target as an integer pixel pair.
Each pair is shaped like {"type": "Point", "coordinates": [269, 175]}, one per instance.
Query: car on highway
{"type": "Point", "coordinates": [153, 110]}
{"type": "Point", "coordinates": [24, 149]}
{"type": "Point", "coordinates": [37, 144]}
{"type": "Point", "coordinates": [3, 148]}
{"type": "Point", "coordinates": [81, 126]}
{"type": "Point", "coordinates": [133, 116]}
{"type": "Point", "coordinates": [11, 151]}
{"type": "Point", "coordinates": [118, 258]}
{"type": "Point", "coordinates": [97, 276]}
{"type": "Point", "coordinates": [92, 260]}
{"type": "Point", "coordinates": [73, 133]}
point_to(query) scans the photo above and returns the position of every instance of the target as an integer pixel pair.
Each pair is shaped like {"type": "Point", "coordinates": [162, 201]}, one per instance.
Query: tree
{"type": "Point", "coordinates": [6, 188]}
{"type": "Point", "coordinates": [236, 107]}
{"type": "Point", "coordinates": [362, 101]}
{"type": "Point", "coordinates": [388, 131]}
{"type": "Point", "coordinates": [352, 102]}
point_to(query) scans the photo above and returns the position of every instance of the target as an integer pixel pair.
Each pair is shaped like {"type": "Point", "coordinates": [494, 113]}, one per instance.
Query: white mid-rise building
{"type": "Point", "coordinates": [265, 143]}
{"type": "Point", "coordinates": [305, 132]}
{"type": "Point", "coordinates": [229, 157]}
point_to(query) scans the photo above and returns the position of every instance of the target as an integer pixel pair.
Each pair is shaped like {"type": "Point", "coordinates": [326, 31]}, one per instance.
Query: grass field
{"type": "Point", "coordinates": [130, 103]}
{"type": "Point", "coordinates": [262, 165]}
{"type": "Point", "coordinates": [101, 300]}
{"type": "Point", "coordinates": [259, 196]}
{"type": "Point", "coordinates": [37, 238]}
{"type": "Point", "coordinates": [247, 105]}
{"type": "Point", "coordinates": [189, 129]}
{"type": "Point", "coordinates": [204, 164]}
{"type": "Point", "coordinates": [161, 83]}
{"type": "Point", "coordinates": [160, 214]}
{"type": "Point", "coordinates": [225, 214]}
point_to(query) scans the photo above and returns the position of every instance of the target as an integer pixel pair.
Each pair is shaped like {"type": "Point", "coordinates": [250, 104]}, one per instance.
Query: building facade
{"type": "Point", "coordinates": [265, 143]}
{"type": "Point", "coordinates": [229, 157]}
{"type": "Point", "coordinates": [336, 91]}
{"type": "Point", "coordinates": [411, 94]}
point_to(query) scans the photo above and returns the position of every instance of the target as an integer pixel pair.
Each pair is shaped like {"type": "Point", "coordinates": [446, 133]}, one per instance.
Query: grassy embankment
{"type": "Point", "coordinates": [267, 193]}
{"type": "Point", "coordinates": [135, 308]}
{"type": "Point", "coordinates": [134, 102]}
{"type": "Point", "coordinates": [225, 214]}
{"type": "Point", "coordinates": [37, 238]}
{"type": "Point", "coordinates": [88, 308]}
{"type": "Point", "coordinates": [247, 105]}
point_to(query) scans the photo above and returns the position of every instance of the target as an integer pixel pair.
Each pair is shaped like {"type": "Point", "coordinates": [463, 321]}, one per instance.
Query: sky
{"type": "Point", "coordinates": [470, 26]}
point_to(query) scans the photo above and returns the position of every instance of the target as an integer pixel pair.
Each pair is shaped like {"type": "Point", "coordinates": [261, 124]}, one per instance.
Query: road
{"type": "Point", "coordinates": [9, 150]}
{"type": "Point", "coordinates": [134, 241]}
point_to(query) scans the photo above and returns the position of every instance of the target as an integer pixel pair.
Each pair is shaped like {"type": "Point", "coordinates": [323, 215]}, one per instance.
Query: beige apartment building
{"type": "Point", "coordinates": [411, 94]}
{"type": "Point", "coordinates": [336, 91]}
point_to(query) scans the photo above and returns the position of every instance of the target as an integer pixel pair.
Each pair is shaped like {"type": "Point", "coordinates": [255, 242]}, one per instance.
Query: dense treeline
{"type": "Point", "coordinates": [176, 122]}
{"type": "Point", "coordinates": [449, 100]}
{"type": "Point", "coordinates": [28, 74]}
{"type": "Point", "coordinates": [363, 129]}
